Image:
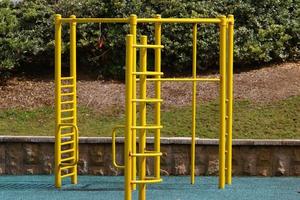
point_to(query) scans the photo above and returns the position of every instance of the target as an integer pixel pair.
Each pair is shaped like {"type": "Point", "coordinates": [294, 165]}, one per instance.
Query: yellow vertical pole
{"type": "Point", "coordinates": [194, 101]}
{"type": "Point", "coordinates": [73, 74]}
{"type": "Point", "coordinates": [222, 138]}
{"type": "Point", "coordinates": [133, 25]}
{"type": "Point", "coordinates": [229, 95]}
{"type": "Point", "coordinates": [157, 64]}
{"type": "Point", "coordinates": [142, 136]}
{"type": "Point", "coordinates": [128, 132]}
{"type": "Point", "coordinates": [58, 28]}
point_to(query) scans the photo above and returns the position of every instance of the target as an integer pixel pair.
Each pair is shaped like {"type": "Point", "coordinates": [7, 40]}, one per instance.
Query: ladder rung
{"type": "Point", "coordinates": [67, 151]}
{"type": "Point", "coordinates": [67, 142]}
{"type": "Point", "coordinates": [67, 118]}
{"type": "Point", "coordinates": [66, 175]}
{"type": "Point", "coordinates": [67, 134]}
{"type": "Point", "coordinates": [67, 86]}
{"type": "Point", "coordinates": [68, 94]}
{"type": "Point", "coordinates": [148, 46]}
{"type": "Point", "coordinates": [146, 181]}
{"type": "Point", "coordinates": [66, 102]}
{"type": "Point", "coordinates": [66, 126]}
{"type": "Point", "coordinates": [67, 78]}
{"type": "Point", "coordinates": [67, 159]}
{"type": "Point", "coordinates": [66, 167]}
{"type": "Point", "coordinates": [67, 110]}
{"type": "Point", "coordinates": [151, 154]}
{"type": "Point", "coordinates": [148, 73]}
{"type": "Point", "coordinates": [147, 127]}
{"type": "Point", "coordinates": [147, 100]}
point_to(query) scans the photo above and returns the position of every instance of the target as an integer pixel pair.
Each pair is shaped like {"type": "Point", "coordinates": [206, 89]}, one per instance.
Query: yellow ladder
{"type": "Point", "coordinates": [66, 131]}
{"type": "Point", "coordinates": [143, 126]}
{"type": "Point", "coordinates": [131, 126]}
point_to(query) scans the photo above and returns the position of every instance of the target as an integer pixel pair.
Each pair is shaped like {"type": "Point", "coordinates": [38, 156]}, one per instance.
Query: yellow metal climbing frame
{"type": "Point", "coordinates": [66, 132]}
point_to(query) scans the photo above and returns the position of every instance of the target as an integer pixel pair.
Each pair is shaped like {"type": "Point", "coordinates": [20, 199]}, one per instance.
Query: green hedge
{"type": "Point", "coordinates": [265, 31]}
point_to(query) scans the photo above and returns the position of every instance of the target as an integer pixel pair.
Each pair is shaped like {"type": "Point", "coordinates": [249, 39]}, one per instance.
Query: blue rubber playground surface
{"type": "Point", "coordinates": [172, 188]}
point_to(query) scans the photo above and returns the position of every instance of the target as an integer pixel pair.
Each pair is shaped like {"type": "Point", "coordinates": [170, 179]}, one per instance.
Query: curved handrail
{"type": "Point", "coordinates": [113, 143]}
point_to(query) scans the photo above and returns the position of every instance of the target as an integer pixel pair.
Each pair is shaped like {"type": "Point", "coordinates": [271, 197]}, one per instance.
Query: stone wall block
{"type": "Point", "coordinates": [31, 155]}
{"type": "Point", "coordinates": [166, 158]}
{"type": "Point", "coordinates": [237, 164]}
{"type": "Point", "coordinates": [31, 169]}
{"type": "Point", "coordinates": [297, 154]}
{"type": "Point", "coordinates": [96, 155]}
{"type": "Point", "coordinates": [201, 160]}
{"type": "Point", "coordinates": [14, 159]}
{"type": "Point", "coordinates": [181, 163]}
{"type": "Point", "coordinates": [249, 161]}
{"type": "Point", "coordinates": [213, 165]}
{"type": "Point", "coordinates": [47, 158]}
{"type": "Point", "coordinates": [82, 166]}
{"type": "Point", "coordinates": [296, 169]}
{"type": "Point", "coordinates": [2, 159]}
{"type": "Point", "coordinates": [282, 162]}
{"type": "Point", "coordinates": [2, 169]}
{"type": "Point", "coordinates": [2, 154]}
{"type": "Point", "coordinates": [99, 171]}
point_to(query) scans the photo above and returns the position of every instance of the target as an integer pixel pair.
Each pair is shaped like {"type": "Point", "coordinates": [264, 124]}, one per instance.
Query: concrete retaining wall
{"type": "Point", "coordinates": [35, 155]}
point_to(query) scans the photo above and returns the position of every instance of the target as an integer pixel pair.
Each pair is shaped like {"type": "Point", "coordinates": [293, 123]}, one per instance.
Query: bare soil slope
{"type": "Point", "coordinates": [262, 85]}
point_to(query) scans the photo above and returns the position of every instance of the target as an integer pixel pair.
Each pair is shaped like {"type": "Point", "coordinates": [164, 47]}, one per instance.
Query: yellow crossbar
{"type": "Point", "coordinates": [149, 181]}
{"type": "Point", "coordinates": [143, 20]}
{"type": "Point", "coordinates": [148, 46]}
{"type": "Point", "coordinates": [146, 154]}
{"type": "Point", "coordinates": [67, 159]}
{"type": "Point", "coordinates": [147, 100]}
{"type": "Point", "coordinates": [67, 78]}
{"type": "Point", "coordinates": [147, 127]}
{"type": "Point", "coordinates": [180, 20]}
{"type": "Point", "coordinates": [96, 20]}
{"type": "Point", "coordinates": [67, 175]}
{"type": "Point", "coordinates": [148, 73]}
{"type": "Point", "coordinates": [184, 79]}
{"type": "Point", "coordinates": [67, 151]}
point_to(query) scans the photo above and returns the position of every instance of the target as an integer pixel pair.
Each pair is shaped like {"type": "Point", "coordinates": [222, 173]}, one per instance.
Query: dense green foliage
{"type": "Point", "coordinates": [265, 31]}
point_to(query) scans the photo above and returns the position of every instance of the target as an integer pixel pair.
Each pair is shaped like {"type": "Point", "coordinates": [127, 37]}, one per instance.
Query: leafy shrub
{"type": "Point", "coordinates": [265, 31]}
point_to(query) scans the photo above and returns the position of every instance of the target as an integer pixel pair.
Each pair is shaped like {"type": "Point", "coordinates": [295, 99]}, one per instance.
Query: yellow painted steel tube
{"type": "Point", "coordinates": [133, 24]}
{"type": "Point", "coordinates": [57, 159]}
{"type": "Point", "coordinates": [222, 102]}
{"type": "Point", "coordinates": [184, 79]}
{"type": "Point", "coordinates": [194, 102]}
{"type": "Point", "coordinates": [144, 20]}
{"type": "Point", "coordinates": [143, 119]}
{"type": "Point", "coordinates": [157, 65]}
{"type": "Point", "coordinates": [113, 147]}
{"type": "Point", "coordinates": [229, 91]}
{"type": "Point", "coordinates": [154, 154]}
{"type": "Point", "coordinates": [96, 20]}
{"type": "Point", "coordinates": [73, 74]}
{"type": "Point", "coordinates": [180, 20]}
{"type": "Point", "coordinates": [148, 46]}
{"type": "Point", "coordinates": [149, 181]}
{"type": "Point", "coordinates": [128, 110]}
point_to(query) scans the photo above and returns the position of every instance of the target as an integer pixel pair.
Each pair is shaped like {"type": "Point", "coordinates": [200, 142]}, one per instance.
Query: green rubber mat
{"type": "Point", "coordinates": [172, 188]}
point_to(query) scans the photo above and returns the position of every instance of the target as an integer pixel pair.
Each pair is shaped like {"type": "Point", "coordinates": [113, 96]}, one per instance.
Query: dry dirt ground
{"type": "Point", "coordinates": [262, 85]}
